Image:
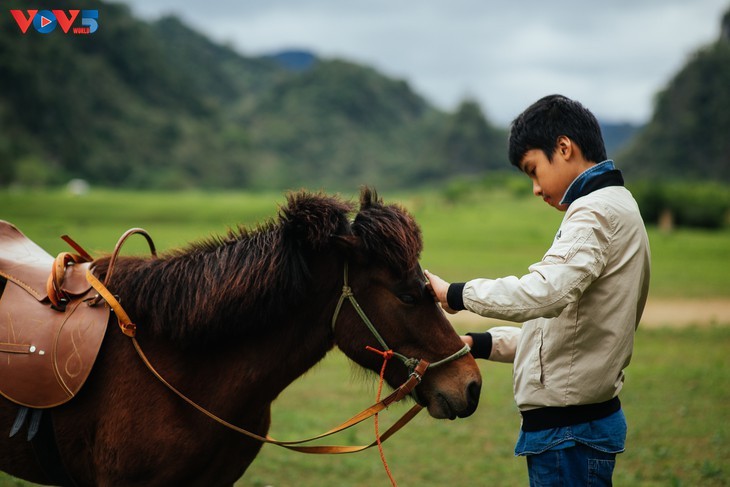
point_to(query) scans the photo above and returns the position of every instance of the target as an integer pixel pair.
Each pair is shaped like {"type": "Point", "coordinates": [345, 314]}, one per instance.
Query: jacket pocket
{"type": "Point", "coordinates": [564, 249]}
{"type": "Point", "coordinates": [536, 374]}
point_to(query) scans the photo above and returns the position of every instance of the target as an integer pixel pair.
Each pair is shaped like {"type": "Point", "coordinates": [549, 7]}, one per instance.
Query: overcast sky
{"type": "Point", "coordinates": [612, 55]}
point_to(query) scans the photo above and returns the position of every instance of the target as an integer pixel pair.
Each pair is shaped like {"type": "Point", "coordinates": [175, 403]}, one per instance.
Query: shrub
{"type": "Point", "coordinates": [691, 204]}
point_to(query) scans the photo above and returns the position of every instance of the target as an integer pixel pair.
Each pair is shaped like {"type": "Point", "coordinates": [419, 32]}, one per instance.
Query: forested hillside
{"type": "Point", "coordinates": [688, 136]}
{"type": "Point", "coordinates": [158, 105]}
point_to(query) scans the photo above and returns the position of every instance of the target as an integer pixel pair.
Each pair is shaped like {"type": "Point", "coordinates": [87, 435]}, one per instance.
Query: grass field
{"type": "Point", "coordinates": [489, 235]}
{"type": "Point", "coordinates": [676, 396]}
{"type": "Point", "coordinates": [676, 401]}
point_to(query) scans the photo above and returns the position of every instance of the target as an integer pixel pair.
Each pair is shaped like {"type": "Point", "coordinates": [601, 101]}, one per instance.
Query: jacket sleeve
{"type": "Point", "coordinates": [576, 258]}
{"type": "Point", "coordinates": [498, 344]}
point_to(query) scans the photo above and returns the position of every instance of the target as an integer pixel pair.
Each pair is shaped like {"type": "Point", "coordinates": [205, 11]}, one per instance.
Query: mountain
{"type": "Point", "coordinates": [294, 60]}
{"type": "Point", "coordinates": [687, 137]}
{"type": "Point", "coordinates": [337, 122]}
{"type": "Point", "coordinates": [158, 105]}
{"type": "Point", "coordinates": [617, 135]}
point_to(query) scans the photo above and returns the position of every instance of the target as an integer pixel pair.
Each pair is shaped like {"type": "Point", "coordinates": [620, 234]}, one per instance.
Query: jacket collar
{"type": "Point", "coordinates": [599, 176]}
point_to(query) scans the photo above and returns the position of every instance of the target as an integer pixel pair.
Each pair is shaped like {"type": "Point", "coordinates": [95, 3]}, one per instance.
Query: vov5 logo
{"type": "Point", "coordinates": [46, 21]}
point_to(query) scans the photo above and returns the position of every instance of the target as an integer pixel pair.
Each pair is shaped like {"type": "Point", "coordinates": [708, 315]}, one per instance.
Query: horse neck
{"type": "Point", "coordinates": [254, 366]}
{"type": "Point", "coordinates": [306, 335]}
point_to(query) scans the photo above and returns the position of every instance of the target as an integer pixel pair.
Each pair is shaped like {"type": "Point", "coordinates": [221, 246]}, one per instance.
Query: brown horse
{"type": "Point", "coordinates": [231, 322]}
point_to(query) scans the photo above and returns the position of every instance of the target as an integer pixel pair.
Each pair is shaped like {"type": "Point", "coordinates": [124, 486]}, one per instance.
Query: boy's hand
{"type": "Point", "coordinates": [439, 289]}
{"type": "Point", "coordinates": [467, 340]}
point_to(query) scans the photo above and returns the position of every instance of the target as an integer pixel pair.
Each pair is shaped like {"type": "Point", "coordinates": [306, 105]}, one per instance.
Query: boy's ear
{"type": "Point", "coordinates": [564, 147]}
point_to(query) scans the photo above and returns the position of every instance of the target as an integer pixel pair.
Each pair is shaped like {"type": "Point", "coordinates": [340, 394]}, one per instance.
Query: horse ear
{"type": "Point", "coordinates": [369, 197]}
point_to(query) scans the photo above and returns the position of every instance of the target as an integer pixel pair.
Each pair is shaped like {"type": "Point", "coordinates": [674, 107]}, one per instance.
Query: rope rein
{"type": "Point", "coordinates": [387, 355]}
{"type": "Point", "coordinates": [416, 369]}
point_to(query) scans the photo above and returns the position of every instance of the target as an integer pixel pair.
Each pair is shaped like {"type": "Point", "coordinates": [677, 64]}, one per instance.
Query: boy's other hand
{"type": "Point", "coordinates": [439, 289]}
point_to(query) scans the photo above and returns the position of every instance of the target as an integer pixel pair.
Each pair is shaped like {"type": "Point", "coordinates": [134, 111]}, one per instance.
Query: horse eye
{"type": "Point", "coordinates": [407, 298]}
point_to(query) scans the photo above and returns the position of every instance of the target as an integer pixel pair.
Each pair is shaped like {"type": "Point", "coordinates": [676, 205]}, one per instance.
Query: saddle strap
{"type": "Point", "coordinates": [42, 438]}
{"type": "Point", "coordinates": [19, 420]}
{"type": "Point", "coordinates": [54, 287]}
{"type": "Point", "coordinates": [118, 248]}
{"type": "Point", "coordinates": [78, 248]}
{"type": "Point", "coordinates": [125, 323]}
{"type": "Point", "coordinates": [48, 456]}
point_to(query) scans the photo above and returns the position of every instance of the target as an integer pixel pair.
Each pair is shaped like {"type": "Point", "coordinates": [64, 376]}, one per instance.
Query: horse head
{"type": "Point", "coordinates": [397, 312]}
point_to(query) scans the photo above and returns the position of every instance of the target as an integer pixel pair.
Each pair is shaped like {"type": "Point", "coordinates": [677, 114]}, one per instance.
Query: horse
{"type": "Point", "coordinates": [231, 320]}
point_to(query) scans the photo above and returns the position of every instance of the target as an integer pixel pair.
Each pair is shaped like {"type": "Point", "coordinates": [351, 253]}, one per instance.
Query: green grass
{"type": "Point", "coordinates": [676, 393]}
{"type": "Point", "coordinates": [675, 399]}
{"type": "Point", "coordinates": [99, 218]}
{"type": "Point", "coordinates": [690, 263]}
{"type": "Point", "coordinates": [481, 236]}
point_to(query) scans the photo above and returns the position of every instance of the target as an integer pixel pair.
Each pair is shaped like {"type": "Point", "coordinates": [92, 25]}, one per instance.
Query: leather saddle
{"type": "Point", "coordinates": [51, 328]}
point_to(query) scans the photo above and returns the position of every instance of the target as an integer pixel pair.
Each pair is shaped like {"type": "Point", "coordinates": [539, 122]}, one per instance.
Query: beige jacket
{"type": "Point", "coordinates": [580, 305]}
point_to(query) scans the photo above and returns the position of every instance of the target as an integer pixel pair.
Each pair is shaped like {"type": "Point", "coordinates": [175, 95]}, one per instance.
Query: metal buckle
{"type": "Point", "coordinates": [416, 375]}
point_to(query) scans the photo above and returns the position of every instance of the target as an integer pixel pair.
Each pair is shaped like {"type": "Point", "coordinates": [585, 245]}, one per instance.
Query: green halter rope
{"type": "Point", "coordinates": [409, 362]}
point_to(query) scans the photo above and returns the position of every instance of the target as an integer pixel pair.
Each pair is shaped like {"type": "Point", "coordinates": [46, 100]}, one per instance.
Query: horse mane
{"type": "Point", "coordinates": [388, 233]}
{"type": "Point", "coordinates": [196, 293]}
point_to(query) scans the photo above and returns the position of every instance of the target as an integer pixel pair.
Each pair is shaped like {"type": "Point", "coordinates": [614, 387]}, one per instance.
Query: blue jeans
{"type": "Point", "coordinates": [578, 465]}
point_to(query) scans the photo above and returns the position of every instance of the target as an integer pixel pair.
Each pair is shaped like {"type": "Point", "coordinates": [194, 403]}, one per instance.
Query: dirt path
{"type": "Point", "coordinates": [658, 312]}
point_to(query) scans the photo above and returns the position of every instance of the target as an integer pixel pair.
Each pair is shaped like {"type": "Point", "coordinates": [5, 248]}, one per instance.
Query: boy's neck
{"type": "Point", "coordinates": [596, 176]}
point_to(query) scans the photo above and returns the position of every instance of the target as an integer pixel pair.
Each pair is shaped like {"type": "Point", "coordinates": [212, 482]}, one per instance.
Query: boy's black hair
{"type": "Point", "coordinates": [540, 125]}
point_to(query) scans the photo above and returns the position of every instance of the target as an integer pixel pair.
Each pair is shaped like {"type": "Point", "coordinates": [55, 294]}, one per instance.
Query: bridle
{"type": "Point", "coordinates": [410, 362]}
{"type": "Point", "coordinates": [416, 368]}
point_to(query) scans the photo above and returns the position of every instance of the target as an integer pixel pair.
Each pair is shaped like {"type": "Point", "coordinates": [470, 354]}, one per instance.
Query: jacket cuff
{"type": "Point", "coordinates": [455, 296]}
{"type": "Point", "coordinates": [482, 345]}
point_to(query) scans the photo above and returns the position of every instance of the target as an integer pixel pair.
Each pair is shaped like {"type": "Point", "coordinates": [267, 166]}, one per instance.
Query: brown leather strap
{"type": "Point", "coordinates": [15, 347]}
{"type": "Point", "coordinates": [54, 286]}
{"type": "Point", "coordinates": [338, 449]}
{"type": "Point", "coordinates": [83, 253]}
{"type": "Point", "coordinates": [400, 393]}
{"type": "Point", "coordinates": [126, 325]}
{"type": "Point", "coordinates": [118, 248]}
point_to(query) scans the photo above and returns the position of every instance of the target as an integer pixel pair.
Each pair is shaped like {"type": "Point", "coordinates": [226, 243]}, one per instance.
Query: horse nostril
{"type": "Point", "coordinates": [473, 391]}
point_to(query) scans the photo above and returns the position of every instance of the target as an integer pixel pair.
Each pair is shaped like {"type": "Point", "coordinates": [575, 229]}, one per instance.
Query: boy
{"type": "Point", "coordinates": [580, 304]}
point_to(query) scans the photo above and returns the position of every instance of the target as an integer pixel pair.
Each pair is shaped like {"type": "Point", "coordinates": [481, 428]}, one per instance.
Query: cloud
{"type": "Point", "coordinates": [613, 56]}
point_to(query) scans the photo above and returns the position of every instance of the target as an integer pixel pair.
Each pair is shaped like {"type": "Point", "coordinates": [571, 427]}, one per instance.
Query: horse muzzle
{"type": "Point", "coordinates": [450, 395]}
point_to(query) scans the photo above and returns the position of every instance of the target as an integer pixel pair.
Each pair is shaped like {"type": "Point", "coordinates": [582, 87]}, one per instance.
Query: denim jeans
{"type": "Point", "coordinates": [578, 455]}
{"type": "Point", "coordinates": [575, 466]}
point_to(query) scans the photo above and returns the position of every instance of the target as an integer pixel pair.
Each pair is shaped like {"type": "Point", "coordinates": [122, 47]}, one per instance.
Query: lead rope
{"type": "Point", "coordinates": [387, 355]}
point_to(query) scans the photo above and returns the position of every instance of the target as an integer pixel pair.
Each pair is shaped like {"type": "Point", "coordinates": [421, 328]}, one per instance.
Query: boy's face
{"type": "Point", "coordinates": [550, 180]}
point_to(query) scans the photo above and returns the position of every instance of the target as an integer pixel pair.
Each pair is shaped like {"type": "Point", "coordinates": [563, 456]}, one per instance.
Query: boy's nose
{"type": "Point", "coordinates": [536, 189]}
